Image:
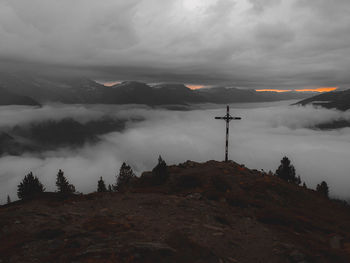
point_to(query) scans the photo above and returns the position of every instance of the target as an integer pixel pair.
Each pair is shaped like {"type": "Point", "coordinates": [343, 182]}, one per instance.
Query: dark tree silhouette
{"type": "Point", "coordinates": [160, 172]}
{"type": "Point", "coordinates": [110, 189]}
{"type": "Point", "coordinates": [8, 199]}
{"type": "Point", "coordinates": [126, 175]}
{"type": "Point", "coordinates": [63, 186]}
{"type": "Point", "coordinates": [101, 186]}
{"type": "Point", "coordinates": [323, 189]}
{"type": "Point", "coordinates": [29, 187]}
{"type": "Point", "coordinates": [286, 172]}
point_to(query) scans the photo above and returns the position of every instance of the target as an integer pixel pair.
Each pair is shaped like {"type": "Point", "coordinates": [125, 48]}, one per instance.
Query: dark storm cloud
{"type": "Point", "coordinates": [248, 43]}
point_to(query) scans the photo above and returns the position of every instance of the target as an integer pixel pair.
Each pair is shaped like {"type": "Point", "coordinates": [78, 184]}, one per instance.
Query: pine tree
{"type": "Point", "coordinates": [8, 199]}
{"type": "Point", "coordinates": [286, 172]}
{"type": "Point", "coordinates": [160, 172]}
{"type": "Point", "coordinates": [126, 175]}
{"type": "Point", "coordinates": [323, 189]}
{"type": "Point", "coordinates": [29, 187]}
{"type": "Point", "coordinates": [63, 186]}
{"type": "Point", "coordinates": [101, 186]}
{"type": "Point", "coordinates": [110, 189]}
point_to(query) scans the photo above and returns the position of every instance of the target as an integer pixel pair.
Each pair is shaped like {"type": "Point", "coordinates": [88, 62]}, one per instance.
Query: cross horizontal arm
{"type": "Point", "coordinates": [220, 118]}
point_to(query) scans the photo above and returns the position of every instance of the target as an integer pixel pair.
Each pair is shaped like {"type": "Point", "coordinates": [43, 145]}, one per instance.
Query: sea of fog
{"type": "Point", "coordinates": [266, 133]}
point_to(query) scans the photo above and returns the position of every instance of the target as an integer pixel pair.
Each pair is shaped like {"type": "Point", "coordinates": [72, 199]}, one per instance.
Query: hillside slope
{"type": "Point", "coordinates": [336, 99]}
{"type": "Point", "coordinates": [209, 212]}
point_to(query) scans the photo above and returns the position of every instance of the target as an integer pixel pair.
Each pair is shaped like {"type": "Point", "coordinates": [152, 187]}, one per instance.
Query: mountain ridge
{"type": "Point", "coordinates": [339, 100]}
{"type": "Point", "coordinates": [82, 90]}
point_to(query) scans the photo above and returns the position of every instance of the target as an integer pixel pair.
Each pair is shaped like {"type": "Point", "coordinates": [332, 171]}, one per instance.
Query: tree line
{"type": "Point", "coordinates": [31, 186]}
{"type": "Point", "coordinates": [286, 172]}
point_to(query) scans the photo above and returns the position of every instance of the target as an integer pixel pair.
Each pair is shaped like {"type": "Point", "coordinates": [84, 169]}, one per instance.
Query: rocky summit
{"type": "Point", "coordinates": [203, 212]}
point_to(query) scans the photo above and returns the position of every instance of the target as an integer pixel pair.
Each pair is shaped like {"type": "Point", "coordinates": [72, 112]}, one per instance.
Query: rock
{"type": "Point", "coordinates": [213, 227]}
{"type": "Point", "coordinates": [335, 242]}
{"type": "Point", "coordinates": [153, 246]}
{"type": "Point", "coordinates": [50, 233]}
{"type": "Point", "coordinates": [297, 256]}
{"type": "Point", "coordinates": [195, 196]}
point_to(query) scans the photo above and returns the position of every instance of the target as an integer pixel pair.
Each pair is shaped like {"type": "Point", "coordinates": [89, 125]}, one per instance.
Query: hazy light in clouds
{"type": "Point", "coordinates": [247, 43]}
{"type": "Point", "coordinates": [259, 140]}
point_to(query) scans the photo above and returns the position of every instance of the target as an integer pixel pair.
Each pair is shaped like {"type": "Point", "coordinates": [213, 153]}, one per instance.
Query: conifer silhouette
{"type": "Point", "coordinates": [63, 186]}
{"type": "Point", "coordinates": [160, 172]}
{"type": "Point", "coordinates": [286, 172]}
{"type": "Point", "coordinates": [323, 189]}
{"type": "Point", "coordinates": [29, 187]}
{"type": "Point", "coordinates": [101, 186]}
{"type": "Point", "coordinates": [126, 175]}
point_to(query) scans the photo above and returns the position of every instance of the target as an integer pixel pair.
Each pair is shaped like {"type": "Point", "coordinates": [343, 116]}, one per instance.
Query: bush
{"type": "Point", "coordinates": [188, 182]}
{"type": "Point", "coordinates": [29, 187]}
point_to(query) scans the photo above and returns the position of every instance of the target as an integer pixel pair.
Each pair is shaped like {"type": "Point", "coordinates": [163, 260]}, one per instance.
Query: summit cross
{"type": "Point", "coordinates": [227, 118]}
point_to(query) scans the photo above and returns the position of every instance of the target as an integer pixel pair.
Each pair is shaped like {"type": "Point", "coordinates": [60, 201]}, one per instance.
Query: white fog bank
{"type": "Point", "coordinates": [266, 133]}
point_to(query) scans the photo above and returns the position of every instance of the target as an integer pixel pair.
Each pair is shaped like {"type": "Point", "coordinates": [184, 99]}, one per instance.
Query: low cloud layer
{"type": "Point", "coordinates": [259, 140]}
{"type": "Point", "coordinates": [246, 43]}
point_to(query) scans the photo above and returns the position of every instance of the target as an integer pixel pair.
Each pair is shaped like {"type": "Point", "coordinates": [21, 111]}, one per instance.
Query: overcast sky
{"type": "Point", "coordinates": [246, 43]}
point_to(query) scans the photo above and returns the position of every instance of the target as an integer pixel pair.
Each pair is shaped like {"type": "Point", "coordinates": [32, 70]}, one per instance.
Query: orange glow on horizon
{"type": "Point", "coordinates": [194, 87]}
{"type": "Point", "coordinates": [320, 89]}
{"type": "Point", "coordinates": [110, 83]}
{"type": "Point", "coordinates": [274, 90]}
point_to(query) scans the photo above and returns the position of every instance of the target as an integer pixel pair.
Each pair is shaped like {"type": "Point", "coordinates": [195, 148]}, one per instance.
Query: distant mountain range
{"type": "Point", "coordinates": [336, 99]}
{"type": "Point", "coordinates": [70, 90]}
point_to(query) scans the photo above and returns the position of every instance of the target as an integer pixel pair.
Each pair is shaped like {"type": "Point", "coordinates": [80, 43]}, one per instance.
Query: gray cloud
{"type": "Point", "coordinates": [250, 43]}
{"type": "Point", "coordinates": [266, 133]}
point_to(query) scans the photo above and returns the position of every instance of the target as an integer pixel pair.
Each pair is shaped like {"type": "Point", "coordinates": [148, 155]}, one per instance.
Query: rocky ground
{"type": "Point", "coordinates": [211, 212]}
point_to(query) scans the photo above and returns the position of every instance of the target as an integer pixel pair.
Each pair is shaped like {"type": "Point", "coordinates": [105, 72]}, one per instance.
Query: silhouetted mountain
{"type": "Point", "coordinates": [52, 88]}
{"type": "Point", "coordinates": [8, 98]}
{"type": "Point", "coordinates": [335, 99]}
{"type": "Point", "coordinates": [204, 212]}
{"type": "Point", "coordinates": [83, 90]}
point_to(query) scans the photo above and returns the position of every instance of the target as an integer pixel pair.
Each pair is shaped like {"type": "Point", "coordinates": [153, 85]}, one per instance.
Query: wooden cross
{"type": "Point", "coordinates": [227, 118]}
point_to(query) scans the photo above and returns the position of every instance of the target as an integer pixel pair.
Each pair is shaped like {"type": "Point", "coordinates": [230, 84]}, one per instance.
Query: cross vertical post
{"type": "Point", "coordinates": [227, 119]}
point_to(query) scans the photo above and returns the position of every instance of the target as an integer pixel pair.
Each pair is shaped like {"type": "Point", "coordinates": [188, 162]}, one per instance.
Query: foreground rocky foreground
{"type": "Point", "coordinates": [210, 212]}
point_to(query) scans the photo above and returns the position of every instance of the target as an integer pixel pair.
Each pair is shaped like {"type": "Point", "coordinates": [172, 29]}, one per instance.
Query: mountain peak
{"type": "Point", "coordinates": [203, 212]}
